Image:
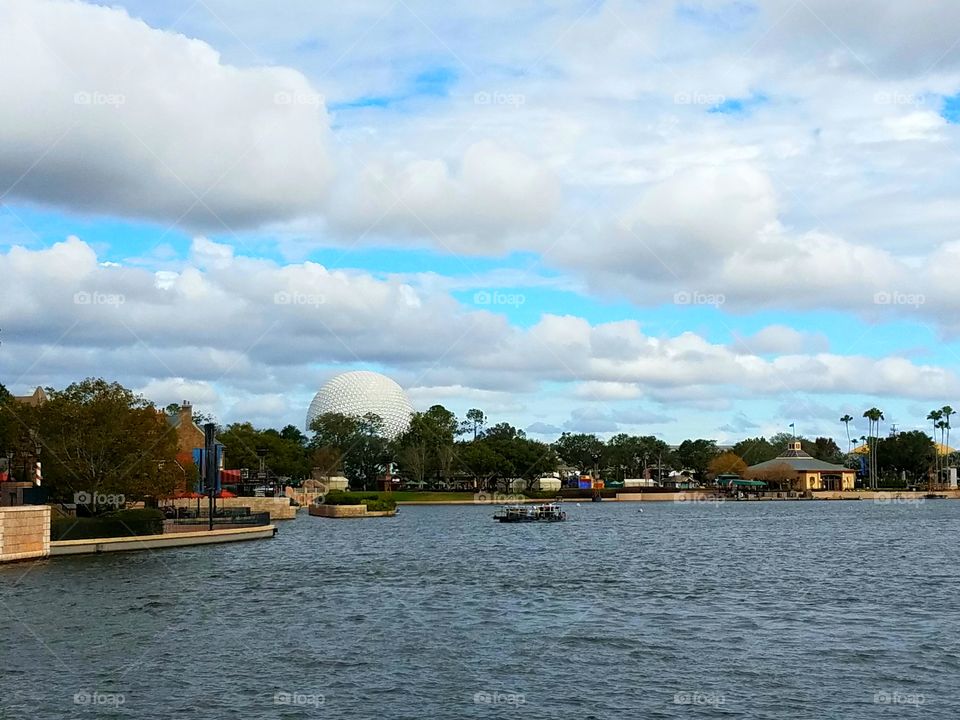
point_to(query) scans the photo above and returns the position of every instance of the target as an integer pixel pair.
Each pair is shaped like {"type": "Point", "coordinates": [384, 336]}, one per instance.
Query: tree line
{"type": "Point", "coordinates": [97, 436]}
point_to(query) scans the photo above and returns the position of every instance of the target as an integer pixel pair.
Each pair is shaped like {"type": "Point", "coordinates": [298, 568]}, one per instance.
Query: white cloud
{"type": "Point", "coordinates": [227, 328]}
{"type": "Point", "coordinates": [115, 116]}
{"type": "Point", "coordinates": [781, 339]}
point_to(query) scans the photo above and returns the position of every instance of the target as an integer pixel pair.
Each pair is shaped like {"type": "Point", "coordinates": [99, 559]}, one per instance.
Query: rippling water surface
{"type": "Point", "coordinates": [742, 610]}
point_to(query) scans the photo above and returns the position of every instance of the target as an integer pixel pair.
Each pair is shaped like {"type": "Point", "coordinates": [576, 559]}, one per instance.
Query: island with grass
{"type": "Point", "coordinates": [343, 504]}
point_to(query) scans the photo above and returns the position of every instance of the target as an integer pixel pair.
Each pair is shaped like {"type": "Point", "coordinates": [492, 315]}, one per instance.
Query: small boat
{"type": "Point", "coordinates": [549, 512]}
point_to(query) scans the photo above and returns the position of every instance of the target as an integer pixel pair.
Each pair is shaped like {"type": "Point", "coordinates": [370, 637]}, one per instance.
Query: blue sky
{"type": "Point", "coordinates": [678, 218]}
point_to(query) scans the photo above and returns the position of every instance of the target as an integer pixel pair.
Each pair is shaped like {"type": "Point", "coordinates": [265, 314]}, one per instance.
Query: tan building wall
{"type": "Point", "coordinates": [189, 436]}
{"type": "Point", "coordinates": [24, 532]}
{"type": "Point", "coordinates": [814, 481]}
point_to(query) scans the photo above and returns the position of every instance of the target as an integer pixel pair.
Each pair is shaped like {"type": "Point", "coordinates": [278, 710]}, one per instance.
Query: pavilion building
{"type": "Point", "coordinates": [805, 471]}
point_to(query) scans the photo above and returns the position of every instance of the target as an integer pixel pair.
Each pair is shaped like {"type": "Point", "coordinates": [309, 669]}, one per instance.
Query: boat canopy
{"type": "Point", "coordinates": [748, 483]}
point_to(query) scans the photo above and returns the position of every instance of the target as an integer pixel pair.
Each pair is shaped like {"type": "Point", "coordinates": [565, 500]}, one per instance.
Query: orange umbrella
{"type": "Point", "coordinates": [192, 496]}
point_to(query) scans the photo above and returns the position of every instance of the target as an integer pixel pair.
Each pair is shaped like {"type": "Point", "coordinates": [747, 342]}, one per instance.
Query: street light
{"type": "Point", "coordinates": [596, 460]}
{"type": "Point", "coordinates": [262, 471]}
{"type": "Point", "coordinates": [38, 477]}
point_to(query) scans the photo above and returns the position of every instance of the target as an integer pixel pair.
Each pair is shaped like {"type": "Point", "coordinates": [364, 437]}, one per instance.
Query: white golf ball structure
{"type": "Point", "coordinates": [360, 392]}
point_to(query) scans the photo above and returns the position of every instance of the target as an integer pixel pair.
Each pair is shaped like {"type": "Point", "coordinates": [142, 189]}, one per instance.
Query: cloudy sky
{"type": "Point", "coordinates": [700, 218]}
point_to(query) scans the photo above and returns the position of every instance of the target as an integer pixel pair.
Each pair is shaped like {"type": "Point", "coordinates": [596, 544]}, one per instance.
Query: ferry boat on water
{"type": "Point", "coordinates": [548, 512]}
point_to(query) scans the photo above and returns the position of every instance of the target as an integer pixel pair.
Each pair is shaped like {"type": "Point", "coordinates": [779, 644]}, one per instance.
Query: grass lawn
{"type": "Point", "coordinates": [427, 496]}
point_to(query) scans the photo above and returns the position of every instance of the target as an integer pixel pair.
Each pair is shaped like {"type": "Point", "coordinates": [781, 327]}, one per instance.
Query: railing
{"type": "Point", "coordinates": [247, 519]}
{"type": "Point", "coordinates": [189, 512]}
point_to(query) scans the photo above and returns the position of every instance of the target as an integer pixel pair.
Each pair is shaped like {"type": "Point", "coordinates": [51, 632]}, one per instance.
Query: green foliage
{"type": "Point", "coordinates": [426, 450]}
{"type": "Point", "coordinates": [757, 450]}
{"type": "Point", "coordinates": [630, 455]}
{"type": "Point", "coordinates": [380, 504]}
{"type": "Point", "coordinates": [696, 455]}
{"type": "Point", "coordinates": [825, 449]}
{"type": "Point", "coordinates": [352, 446]}
{"type": "Point", "coordinates": [518, 456]}
{"type": "Point", "coordinates": [100, 437]}
{"type": "Point", "coordinates": [474, 422]}
{"type": "Point", "coordinates": [8, 421]}
{"type": "Point", "coordinates": [910, 452]}
{"type": "Point", "coordinates": [581, 450]}
{"type": "Point", "coordinates": [483, 461]}
{"type": "Point", "coordinates": [286, 455]}
{"type": "Point", "coordinates": [373, 501]}
{"type": "Point", "coordinates": [115, 524]}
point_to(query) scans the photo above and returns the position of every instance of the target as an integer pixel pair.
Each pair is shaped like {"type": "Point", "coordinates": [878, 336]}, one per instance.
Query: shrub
{"type": "Point", "coordinates": [373, 501]}
{"type": "Point", "coordinates": [343, 497]}
{"type": "Point", "coordinates": [380, 505]}
{"type": "Point", "coordinates": [115, 524]}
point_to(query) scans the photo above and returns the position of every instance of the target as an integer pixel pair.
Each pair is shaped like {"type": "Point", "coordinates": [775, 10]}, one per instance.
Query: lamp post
{"type": "Point", "coordinates": [262, 470]}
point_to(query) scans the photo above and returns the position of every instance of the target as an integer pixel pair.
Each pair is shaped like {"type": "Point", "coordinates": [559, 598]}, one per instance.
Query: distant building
{"type": "Point", "coordinates": [808, 472]}
{"type": "Point", "coordinates": [20, 474]}
{"type": "Point", "coordinates": [189, 439]}
{"type": "Point", "coordinates": [38, 398]}
{"type": "Point", "coordinates": [548, 483]}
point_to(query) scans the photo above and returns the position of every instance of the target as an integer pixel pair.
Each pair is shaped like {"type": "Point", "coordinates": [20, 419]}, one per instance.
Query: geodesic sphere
{"type": "Point", "coordinates": [360, 392]}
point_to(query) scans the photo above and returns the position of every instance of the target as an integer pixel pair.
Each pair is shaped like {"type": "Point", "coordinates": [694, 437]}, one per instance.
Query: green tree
{"type": "Point", "coordinates": [522, 457]}
{"type": "Point", "coordinates": [333, 430]}
{"type": "Point", "coordinates": [99, 437]}
{"type": "Point", "coordinates": [283, 456]}
{"type": "Point", "coordinates": [480, 460]}
{"type": "Point", "coordinates": [756, 450]}
{"type": "Point", "coordinates": [935, 416]}
{"type": "Point", "coordinates": [947, 412]}
{"type": "Point", "coordinates": [474, 422]}
{"type": "Point", "coordinates": [824, 448]}
{"type": "Point", "coordinates": [292, 434]}
{"type": "Point", "coordinates": [874, 416]}
{"type": "Point", "coordinates": [581, 450]}
{"type": "Point", "coordinates": [906, 452]}
{"type": "Point", "coordinates": [426, 449]}
{"type": "Point", "coordinates": [846, 420]}
{"type": "Point", "coordinates": [357, 446]}
{"type": "Point", "coordinates": [696, 455]}
{"type": "Point", "coordinates": [368, 454]}
{"type": "Point", "coordinates": [10, 422]}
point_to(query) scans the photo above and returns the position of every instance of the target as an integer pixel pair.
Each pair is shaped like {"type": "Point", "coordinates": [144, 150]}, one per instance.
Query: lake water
{"type": "Point", "coordinates": [742, 610]}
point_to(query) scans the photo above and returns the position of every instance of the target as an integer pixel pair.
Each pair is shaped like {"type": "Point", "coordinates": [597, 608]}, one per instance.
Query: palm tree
{"type": "Point", "coordinates": [935, 416]}
{"type": "Point", "coordinates": [846, 420]}
{"type": "Point", "coordinates": [873, 416]}
{"type": "Point", "coordinates": [947, 412]}
{"type": "Point", "coordinates": [942, 426]}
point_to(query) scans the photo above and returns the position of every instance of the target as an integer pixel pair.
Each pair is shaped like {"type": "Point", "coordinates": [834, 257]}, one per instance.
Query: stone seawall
{"type": "Point", "coordinates": [156, 542]}
{"type": "Point", "coordinates": [24, 532]}
{"type": "Point", "coordinates": [348, 511]}
{"type": "Point", "coordinates": [679, 496]}
{"type": "Point", "coordinates": [878, 496]}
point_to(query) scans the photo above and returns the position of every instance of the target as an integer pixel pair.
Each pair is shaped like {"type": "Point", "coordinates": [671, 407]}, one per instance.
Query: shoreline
{"type": "Point", "coordinates": [693, 496]}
